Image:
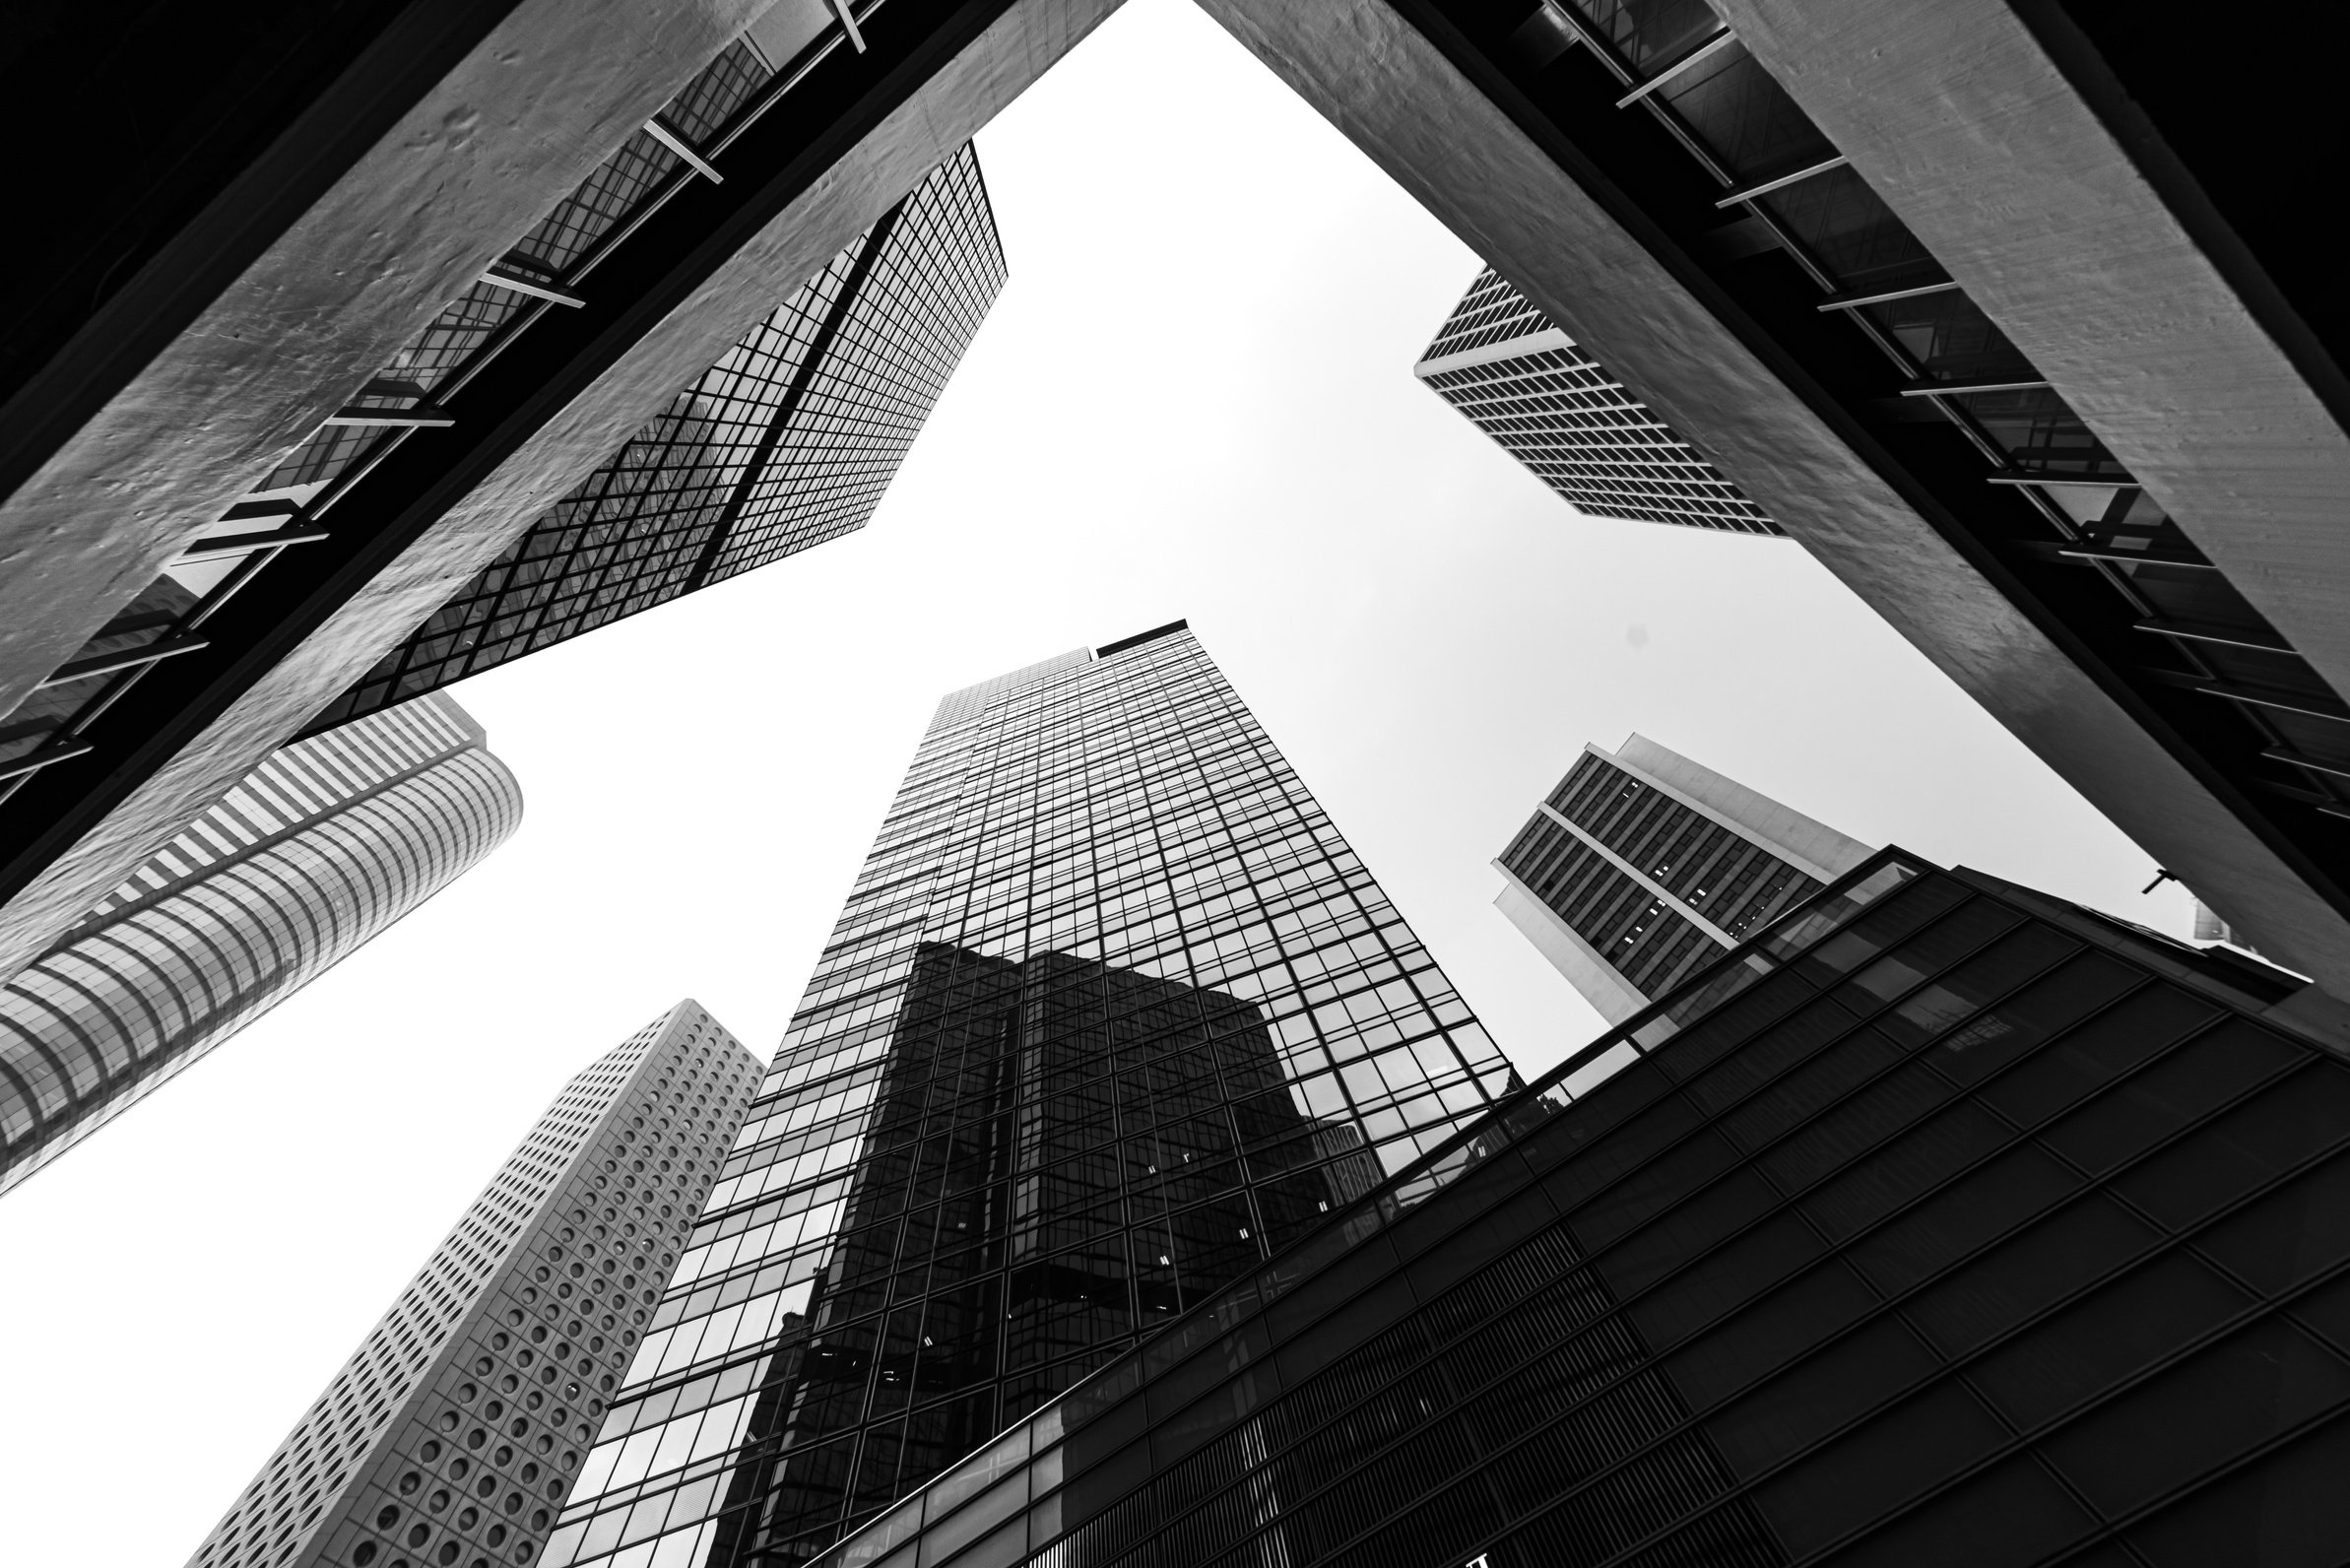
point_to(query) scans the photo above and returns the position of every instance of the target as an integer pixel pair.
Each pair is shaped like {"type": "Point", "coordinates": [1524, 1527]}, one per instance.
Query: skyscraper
{"type": "Point", "coordinates": [452, 1433]}
{"type": "Point", "coordinates": [1503, 364]}
{"type": "Point", "coordinates": [1111, 1014]}
{"type": "Point", "coordinates": [1644, 866]}
{"type": "Point", "coordinates": [1939, 1222]}
{"type": "Point", "coordinates": [316, 852]}
{"type": "Point", "coordinates": [785, 442]}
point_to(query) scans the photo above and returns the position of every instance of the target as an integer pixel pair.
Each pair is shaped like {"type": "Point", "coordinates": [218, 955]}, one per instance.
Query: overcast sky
{"type": "Point", "coordinates": [1194, 399]}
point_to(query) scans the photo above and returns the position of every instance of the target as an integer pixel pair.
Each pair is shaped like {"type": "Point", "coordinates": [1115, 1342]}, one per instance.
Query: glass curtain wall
{"type": "Point", "coordinates": [1111, 1014]}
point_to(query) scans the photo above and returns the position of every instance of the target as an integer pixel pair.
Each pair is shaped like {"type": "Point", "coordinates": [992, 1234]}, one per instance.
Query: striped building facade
{"type": "Point", "coordinates": [313, 854]}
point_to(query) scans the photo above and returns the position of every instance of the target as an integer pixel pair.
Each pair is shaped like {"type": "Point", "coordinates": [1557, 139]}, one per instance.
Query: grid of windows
{"type": "Point", "coordinates": [1111, 1013]}
{"type": "Point", "coordinates": [307, 858]}
{"type": "Point", "coordinates": [1942, 1224]}
{"type": "Point", "coordinates": [1500, 362]}
{"type": "Point", "coordinates": [451, 1435]}
{"type": "Point", "coordinates": [1732, 884]}
{"type": "Point", "coordinates": [789, 440]}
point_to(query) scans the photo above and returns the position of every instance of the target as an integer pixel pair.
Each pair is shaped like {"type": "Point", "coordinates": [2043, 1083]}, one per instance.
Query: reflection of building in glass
{"type": "Point", "coordinates": [1945, 1223]}
{"type": "Point", "coordinates": [453, 1431]}
{"type": "Point", "coordinates": [314, 852]}
{"type": "Point", "coordinates": [1111, 1014]}
{"type": "Point", "coordinates": [787, 441]}
{"type": "Point", "coordinates": [1552, 407]}
{"type": "Point", "coordinates": [1643, 866]}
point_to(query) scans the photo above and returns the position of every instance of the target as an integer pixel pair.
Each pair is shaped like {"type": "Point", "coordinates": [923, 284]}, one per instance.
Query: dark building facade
{"type": "Point", "coordinates": [1642, 867]}
{"type": "Point", "coordinates": [785, 442]}
{"type": "Point", "coordinates": [1942, 1223]}
{"type": "Point", "coordinates": [1111, 1016]}
{"type": "Point", "coordinates": [452, 1433]}
{"type": "Point", "coordinates": [1556, 409]}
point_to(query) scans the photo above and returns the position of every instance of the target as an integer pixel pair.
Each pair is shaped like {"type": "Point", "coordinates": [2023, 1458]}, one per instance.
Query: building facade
{"type": "Point", "coordinates": [1556, 409]}
{"type": "Point", "coordinates": [1644, 866]}
{"type": "Point", "coordinates": [452, 1434]}
{"type": "Point", "coordinates": [787, 441]}
{"type": "Point", "coordinates": [319, 849]}
{"type": "Point", "coordinates": [1940, 1222]}
{"type": "Point", "coordinates": [1111, 1015]}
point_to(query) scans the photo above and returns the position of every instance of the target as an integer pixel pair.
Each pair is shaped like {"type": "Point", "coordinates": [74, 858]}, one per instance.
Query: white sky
{"type": "Point", "coordinates": [1194, 399]}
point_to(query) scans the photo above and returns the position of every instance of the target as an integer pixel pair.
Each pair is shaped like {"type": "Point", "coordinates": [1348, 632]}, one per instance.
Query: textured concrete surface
{"type": "Point", "coordinates": [1411, 112]}
{"type": "Point", "coordinates": [528, 115]}
{"type": "Point", "coordinates": [1964, 125]}
{"type": "Point", "coordinates": [938, 118]}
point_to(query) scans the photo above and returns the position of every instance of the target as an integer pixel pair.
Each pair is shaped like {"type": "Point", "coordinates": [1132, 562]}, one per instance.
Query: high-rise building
{"type": "Point", "coordinates": [1552, 407]}
{"type": "Point", "coordinates": [785, 442]}
{"type": "Point", "coordinates": [292, 368]}
{"type": "Point", "coordinates": [1940, 1222]}
{"type": "Point", "coordinates": [316, 852]}
{"type": "Point", "coordinates": [1644, 866]}
{"type": "Point", "coordinates": [452, 1434]}
{"type": "Point", "coordinates": [1111, 1015]}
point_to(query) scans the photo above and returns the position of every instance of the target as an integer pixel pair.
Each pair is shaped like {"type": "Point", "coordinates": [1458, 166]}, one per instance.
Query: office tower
{"type": "Point", "coordinates": [310, 857]}
{"type": "Point", "coordinates": [1503, 364]}
{"type": "Point", "coordinates": [1986, 310]}
{"type": "Point", "coordinates": [452, 1433]}
{"type": "Point", "coordinates": [1940, 1222]}
{"type": "Point", "coordinates": [787, 442]}
{"type": "Point", "coordinates": [1111, 1014]}
{"type": "Point", "coordinates": [289, 369]}
{"type": "Point", "coordinates": [1643, 866]}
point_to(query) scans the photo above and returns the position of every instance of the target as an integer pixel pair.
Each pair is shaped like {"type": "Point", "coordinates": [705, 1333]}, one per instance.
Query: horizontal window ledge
{"type": "Point", "coordinates": [44, 757]}
{"type": "Point", "coordinates": [1961, 384]}
{"type": "Point", "coordinates": [417, 419]}
{"type": "Point", "coordinates": [669, 137]}
{"type": "Point", "coordinates": [515, 283]}
{"type": "Point", "coordinates": [2023, 476]}
{"type": "Point", "coordinates": [2066, 554]}
{"type": "Point", "coordinates": [1748, 193]}
{"type": "Point", "coordinates": [1856, 298]}
{"type": "Point", "coordinates": [224, 546]}
{"type": "Point", "coordinates": [124, 658]}
{"type": "Point", "coordinates": [1697, 56]}
{"type": "Point", "coordinates": [2281, 702]}
{"type": "Point", "coordinates": [2227, 636]}
{"type": "Point", "coordinates": [2296, 759]}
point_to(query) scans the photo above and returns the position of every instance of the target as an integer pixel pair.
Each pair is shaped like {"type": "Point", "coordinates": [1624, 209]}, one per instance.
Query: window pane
{"type": "Point", "coordinates": [2283, 1511]}
{"type": "Point", "coordinates": [2278, 1127]}
{"type": "Point", "coordinates": [2025, 1274]}
{"type": "Point", "coordinates": [2199, 1414]}
{"type": "Point", "coordinates": [2095, 1053]}
{"type": "Point", "coordinates": [2122, 1327]}
{"type": "Point", "coordinates": [1877, 1468]}
{"type": "Point", "coordinates": [2013, 1512]}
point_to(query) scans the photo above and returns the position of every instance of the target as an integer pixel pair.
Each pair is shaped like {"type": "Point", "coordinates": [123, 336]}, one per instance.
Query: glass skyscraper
{"type": "Point", "coordinates": [451, 1434]}
{"type": "Point", "coordinates": [785, 442]}
{"type": "Point", "coordinates": [1111, 1015]}
{"type": "Point", "coordinates": [1552, 407]}
{"type": "Point", "coordinates": [1642, 867]}
{"type": "Point", "coordinates": [1940, 1222]}
{"type": "Point", "coordinates": [313, 854]}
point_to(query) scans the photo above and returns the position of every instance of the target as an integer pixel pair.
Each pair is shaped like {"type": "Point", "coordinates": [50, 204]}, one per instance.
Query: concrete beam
{"type": "Point", "coordinates": [1959, 118]}
{"type": "Point", "coordinates": [1646, 312]}
{"type": "Point", "coordinates": [929, 123]}
{"type": "Point", "coordinates": [245, 332]}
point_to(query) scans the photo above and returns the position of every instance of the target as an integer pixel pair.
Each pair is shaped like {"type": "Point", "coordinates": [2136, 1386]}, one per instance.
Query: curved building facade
{"type": "Point", "coordinates": [313, 853]}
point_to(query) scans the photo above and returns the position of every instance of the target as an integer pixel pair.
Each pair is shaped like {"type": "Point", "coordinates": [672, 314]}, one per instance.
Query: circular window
{"type": "Point", "coordinates": [488, 1486]}
{"type": "Point", "coordinates": [387, 1517]}
{"type": "Point", "coordinates": [466, 1392]}
{"type": "Point", "coordinates": [419, 1535]}
{"type": "Point", "coordinates": [470, 1518]}
{"type": "Point", "coordinates": [525, 1358]}
{"type": "Point", "coordinates": [485, 1366]}
{"type": "Point", "coordinates": [410, 1483]}
{"type": "Point", "coordinates": [498, 1342]}
{"type": "Point", "coordinates": [458, 1466]}
{"type": "Point", "coordinates": [476, 1438]}
{"type": "Point", "coordinates": [506, 1454]}
{"type": "Point", "coordinates": [530, 1473]}
{"type": "Point", "coordinates": [498, 1534]}
{"type": "Point", "coordinates": [448, 1421]}
{"type": "Point", "coordinates": [514, 1503]}
{"type": "Point", "coordinates": [538, 1335]}
{"type": "Point", "coordinates": [431, 1451]}
{"type": "Point", "coordinates": [522, 1553]}
{"type": "Point", "coordinates": [510, 1383]}
{"type": "Point", "coordinates": [539, 1520]}
{"type": "Point", "coordinates": [495, 1408]}
{"type": "Point", "coordinates": [520, 1428]}
{"type": "Point", "coordinates": [437, 1501]}
{"type": "Point", "coordinates": [447, 1553]}
{"type": "Point", "coordinates": [366, 1553]}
